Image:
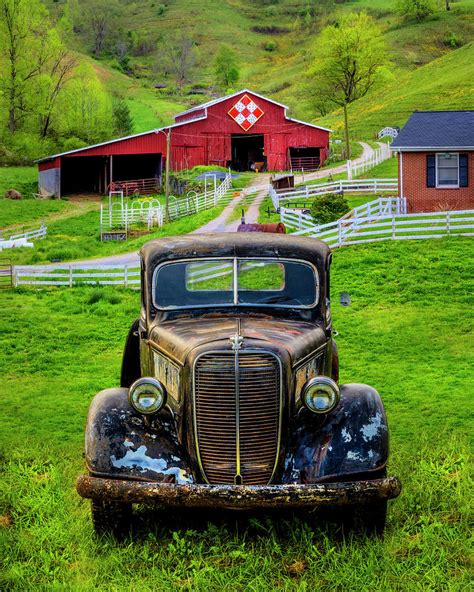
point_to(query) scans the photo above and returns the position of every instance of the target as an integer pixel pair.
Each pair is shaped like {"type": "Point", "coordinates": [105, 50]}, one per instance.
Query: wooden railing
{"type": "Point", "coordinates": [305, 163]}
{"type": "Point", "coordinates": [136, 186]}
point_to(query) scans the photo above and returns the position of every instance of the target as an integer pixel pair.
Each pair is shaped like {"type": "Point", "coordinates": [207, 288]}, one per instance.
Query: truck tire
{"type": "Point", "coordinates": [111, 517]}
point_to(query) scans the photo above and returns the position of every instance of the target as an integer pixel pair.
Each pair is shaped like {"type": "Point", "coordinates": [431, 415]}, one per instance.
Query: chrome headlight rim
{"type": "Point", "coordinates": [314, 383]}
{"type": "Point", "coordinates": [154, 388]}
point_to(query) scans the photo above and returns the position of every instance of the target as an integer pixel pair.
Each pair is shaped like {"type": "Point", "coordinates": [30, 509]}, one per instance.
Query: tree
{"type": "Point", "coordinates": [226, 68]}
{"type": "Point", "coordinates": [96, 21]}
{"type": "Point", "coordinates": [122, 118]}
{"type": "Point", "coordinates": [177, 57]}
{"type": "Point", "coordinates": [418, 10]}
{"type": "Point", "coordinates": [351, 59]}
{"type": "Point", "coordinates": [23, 51]}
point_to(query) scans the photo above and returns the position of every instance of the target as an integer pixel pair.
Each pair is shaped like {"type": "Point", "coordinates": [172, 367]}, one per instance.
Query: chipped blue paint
{"type": "Point", "coordinates": [139, 460]}
{"type": "Point", "coordinates": [371, 429]}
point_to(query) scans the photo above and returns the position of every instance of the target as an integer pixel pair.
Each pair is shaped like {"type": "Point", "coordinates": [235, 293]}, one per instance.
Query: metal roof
{"type": "Point", "coordinates": [437, 130]}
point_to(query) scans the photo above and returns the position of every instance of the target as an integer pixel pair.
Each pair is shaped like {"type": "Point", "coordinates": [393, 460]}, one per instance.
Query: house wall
{"type": "Point", "coordinates": [421, 198]}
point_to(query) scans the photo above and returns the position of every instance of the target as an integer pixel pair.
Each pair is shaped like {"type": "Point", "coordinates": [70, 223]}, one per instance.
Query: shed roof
{"type": "Point", "coordinates": [436, 130]}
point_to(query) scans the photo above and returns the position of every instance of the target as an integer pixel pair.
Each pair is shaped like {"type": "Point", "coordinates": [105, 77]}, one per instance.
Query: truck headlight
{"type": "Point", "coordinates": [320, 394]}
{"type": "Point", "coordinates": [147, 395]}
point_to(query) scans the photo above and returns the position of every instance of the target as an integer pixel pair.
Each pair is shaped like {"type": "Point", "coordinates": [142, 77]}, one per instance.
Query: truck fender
{"type": "Point", "coordinates": [122, 443]}
{"type": "Point", "coordinates": [351, 440]}
{"type": "Point", "coordinates": [131, 357]}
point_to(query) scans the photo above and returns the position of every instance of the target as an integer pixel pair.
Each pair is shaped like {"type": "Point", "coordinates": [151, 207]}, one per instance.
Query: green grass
{"type": "Point", "coordinates": [406, 333]}
{"type": "Point", "coordinates": [78, 237]}
{"type": "Point", "coordinates": [388, 169]}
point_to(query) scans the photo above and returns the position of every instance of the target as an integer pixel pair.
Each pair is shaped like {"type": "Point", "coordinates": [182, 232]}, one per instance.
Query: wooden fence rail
{"type": "Point", "coordinates": [309, 192]}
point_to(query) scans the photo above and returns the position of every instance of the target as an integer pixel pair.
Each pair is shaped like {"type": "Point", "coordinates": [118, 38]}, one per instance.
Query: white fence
{"type": "Point", "coordinates": [152, 211]}
{"type": "Point", "coordinates": [309, 192]}
{"type": "Point", "coordinates": [388, 132]}
{"type": "Point", "coordinates": [355, 168]}
{"type": "Point", "coordinates": [23, 238]}
{"type": "Point", "coordinates": [383, 206]}
{"type": "Point", "coordinates": [352, 231]}
{"type": "Point", "coordinates": [71, 275]}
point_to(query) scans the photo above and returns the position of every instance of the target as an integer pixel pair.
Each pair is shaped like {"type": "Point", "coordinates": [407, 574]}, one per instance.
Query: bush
{"type": "Point", "coordinates": [329, 208]}
{"type": "Point", "coordinates": [419, 10]}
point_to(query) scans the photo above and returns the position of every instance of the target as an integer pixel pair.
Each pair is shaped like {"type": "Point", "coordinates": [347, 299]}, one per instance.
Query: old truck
{"type": "Point", "coordinates": [230, 394]}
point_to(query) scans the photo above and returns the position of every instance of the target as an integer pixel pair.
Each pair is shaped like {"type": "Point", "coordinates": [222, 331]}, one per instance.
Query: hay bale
{"type": "Point", "coordinates": [13, 194]}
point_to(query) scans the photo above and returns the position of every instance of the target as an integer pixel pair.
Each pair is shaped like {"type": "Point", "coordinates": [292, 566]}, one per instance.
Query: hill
{"type": "Point", "coordinates": [273, 42]}
{"type": "Point", "coordinates": [444, 83]}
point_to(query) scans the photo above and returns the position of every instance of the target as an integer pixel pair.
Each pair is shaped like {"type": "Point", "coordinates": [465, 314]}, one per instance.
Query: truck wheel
{"type": "Point", "coordinates": [111, 517]}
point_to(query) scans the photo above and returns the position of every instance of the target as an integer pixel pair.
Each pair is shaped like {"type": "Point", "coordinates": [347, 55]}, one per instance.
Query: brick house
{"type": "Point", "coordinates": [436, 161]}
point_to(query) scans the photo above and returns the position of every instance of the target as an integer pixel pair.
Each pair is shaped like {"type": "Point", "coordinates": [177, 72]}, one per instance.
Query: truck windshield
{"type": "Point", "coordinates": [235, 282]}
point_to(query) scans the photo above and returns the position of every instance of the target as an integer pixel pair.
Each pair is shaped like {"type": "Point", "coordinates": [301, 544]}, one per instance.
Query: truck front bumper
{"type": "Point", "coordinates": [238, 496]}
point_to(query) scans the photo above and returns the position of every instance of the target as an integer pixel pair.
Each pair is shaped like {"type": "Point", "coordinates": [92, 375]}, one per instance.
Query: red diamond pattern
{"type": "Point", "coordinates": [245, 112]}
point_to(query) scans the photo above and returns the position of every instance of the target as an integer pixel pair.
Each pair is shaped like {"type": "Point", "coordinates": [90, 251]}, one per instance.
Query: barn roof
{"type": "Point", "coordinates": [436, 130]}
{"type": "Point", "coordinates": [153, 131]}
{"type": "Point", "coordinates": [243, 91]}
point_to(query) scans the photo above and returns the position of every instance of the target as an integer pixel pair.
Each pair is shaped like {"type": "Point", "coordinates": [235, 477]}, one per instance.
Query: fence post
{"type": "Point", "coordinates": [447, 223]}
{"type": "Point", "coordinates": [307, 192]}
{"type": "Point", "coordinates": [339, 233]}
{"type": "Point", "coordinates": [300, 220]}
{"type": "Point", "coordinates": [393, 227]}
{"type": "Point", "coordinates": [70, 276]}
{"type": "Point", "coordinates": [15, 277]}
{"type": "Point", "coordinates": [125, 275]}
{"type": "Point", "coordinates": [349, 171]}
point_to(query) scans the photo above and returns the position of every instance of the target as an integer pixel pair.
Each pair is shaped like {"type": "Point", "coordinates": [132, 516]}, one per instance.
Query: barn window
{"type": "Point", "coordinates": [447, 169]}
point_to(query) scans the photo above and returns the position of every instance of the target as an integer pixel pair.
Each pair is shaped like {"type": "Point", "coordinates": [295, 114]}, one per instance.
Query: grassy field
{"type": "Point", "coordinates": [406, 333]}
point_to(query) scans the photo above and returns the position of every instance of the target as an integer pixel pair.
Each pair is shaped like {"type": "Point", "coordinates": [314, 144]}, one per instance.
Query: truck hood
{"type": "Point", "coordinates": [178, 337]}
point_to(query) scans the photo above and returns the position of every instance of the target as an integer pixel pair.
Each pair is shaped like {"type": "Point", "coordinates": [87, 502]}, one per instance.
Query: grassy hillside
{"type": "Point", "coordinates": [413, 347]}
{"type": "Point", "coordinates": [274, 43]}
{"type": "Point", "coordinates": [445, 83]}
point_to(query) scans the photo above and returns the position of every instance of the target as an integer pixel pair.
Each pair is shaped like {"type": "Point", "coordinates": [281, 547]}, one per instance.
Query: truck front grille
{"type": "Point", "coordinates": [237, 416]}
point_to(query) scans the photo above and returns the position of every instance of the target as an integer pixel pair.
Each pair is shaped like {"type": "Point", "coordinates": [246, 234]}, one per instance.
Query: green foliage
{"type": "Point", "coordinates": [406, 333]}
{"type": "Point", "coordinates": [226, 67]}
{"type": "Point", "coordinates": [123, 122]}
{"type": "Point", "coordinates": [329, 208]}
{"type": "Point", "coordinates": [418, 10]}
{"type": "Point", "coordinates": [351, 59]}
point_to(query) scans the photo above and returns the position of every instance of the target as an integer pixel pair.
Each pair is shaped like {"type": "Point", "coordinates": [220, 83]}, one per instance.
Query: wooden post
{"type": "Point", "coordinates": [125, 275]}
{"type": "Point", "coordinates": [167, 186]}
{"type": "Point", "coordinates": [70, 276]}
{"type": "Point", "coordinates": [393, 227]}
{"type": "Point", "coordinates": [339, 233]}
{"type": "Point", "coordinates": [447, 224]}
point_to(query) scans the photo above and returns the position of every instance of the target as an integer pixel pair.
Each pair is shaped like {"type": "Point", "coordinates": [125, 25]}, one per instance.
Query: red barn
{"type": "Point", "coordinates": [245, 131]}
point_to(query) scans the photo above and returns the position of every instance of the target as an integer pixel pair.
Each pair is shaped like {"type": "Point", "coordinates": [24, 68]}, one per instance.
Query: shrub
{"type": "Point", "coordinates": [270, 46]}
{"type": "Point", "coordinates": [329, 208]}
{"type": "Point", "coordinates": [419, 10]}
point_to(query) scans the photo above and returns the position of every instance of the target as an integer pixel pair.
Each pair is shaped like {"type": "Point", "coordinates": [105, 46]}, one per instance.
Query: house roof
{"type": "Point", "coordinates": [436, 130]}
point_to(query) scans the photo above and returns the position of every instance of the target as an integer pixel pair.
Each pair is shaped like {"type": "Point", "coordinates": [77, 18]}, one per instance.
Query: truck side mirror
{"type": "Point", "coordinates": [345, 299]}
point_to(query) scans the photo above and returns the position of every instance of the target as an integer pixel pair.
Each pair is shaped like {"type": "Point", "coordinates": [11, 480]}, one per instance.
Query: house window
{"type": "Point", "coordinates": [447, 169]}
